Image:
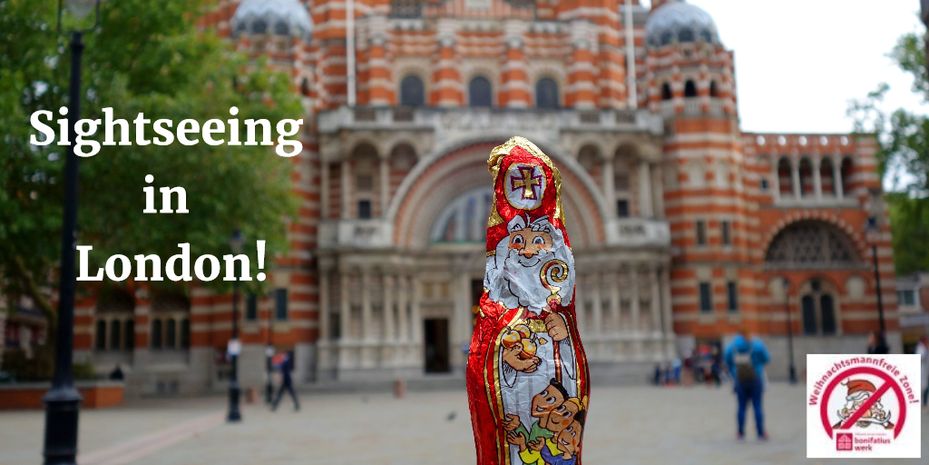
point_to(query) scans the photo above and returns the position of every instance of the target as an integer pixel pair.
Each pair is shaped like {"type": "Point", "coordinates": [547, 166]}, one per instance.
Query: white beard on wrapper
{"type": "Point", "coordinates": [516, 281]}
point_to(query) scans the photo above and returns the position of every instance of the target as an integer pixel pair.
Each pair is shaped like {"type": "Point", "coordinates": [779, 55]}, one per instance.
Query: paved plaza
{"type": "Point", "coordinates": [628, 425]}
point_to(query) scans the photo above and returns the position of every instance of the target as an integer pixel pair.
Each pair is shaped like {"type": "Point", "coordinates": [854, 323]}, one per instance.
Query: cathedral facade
{"type": "Point", "coordinates": [683, 227]}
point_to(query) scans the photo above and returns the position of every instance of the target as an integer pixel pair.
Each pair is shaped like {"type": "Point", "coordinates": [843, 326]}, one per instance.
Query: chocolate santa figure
{"type": "Point", "coordinates": [527, 372]}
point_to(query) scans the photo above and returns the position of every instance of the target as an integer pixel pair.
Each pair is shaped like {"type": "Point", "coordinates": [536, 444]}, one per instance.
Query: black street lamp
{"type": "Point", "coordinates": [790, 333]}
{"type": "Point", "coordinates": [235, 243]}
{"type": "Point", "coordinates": [269, 352]}
{"type": "Point", "coordinates": [873, 233]}
{"type": "Point", "coordinates": [62, 401]}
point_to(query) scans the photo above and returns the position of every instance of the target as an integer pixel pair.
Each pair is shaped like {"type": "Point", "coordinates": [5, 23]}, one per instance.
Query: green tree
{"type": "Point", "coordinates": [904, 154]}
{"type": "Point", "coordinates": [143, 57]}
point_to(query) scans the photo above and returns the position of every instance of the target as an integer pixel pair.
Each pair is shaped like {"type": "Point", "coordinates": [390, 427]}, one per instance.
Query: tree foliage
{"type": "Point", "coordinates": [904, 156]}
{"type": "Point", "coordinates": [143, 57]}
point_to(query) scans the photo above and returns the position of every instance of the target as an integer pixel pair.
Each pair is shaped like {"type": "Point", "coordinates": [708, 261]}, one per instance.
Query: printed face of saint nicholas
{"type": "Point", "coordinates": [514, 271]}
{"type": "Point", "coordinates": [529, 243]}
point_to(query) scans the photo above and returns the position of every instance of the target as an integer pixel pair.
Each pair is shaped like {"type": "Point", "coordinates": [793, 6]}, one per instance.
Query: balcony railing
{"type": "Point", "coordinates": [639, 232]}
{"type": "Point", "coordinates": [354, 233]}
{"type": "Point", "coordinates": [483, 119]}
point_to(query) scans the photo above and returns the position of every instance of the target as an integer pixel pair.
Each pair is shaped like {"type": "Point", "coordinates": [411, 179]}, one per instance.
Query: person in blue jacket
{"type": "Point", "coordinates": [746, 357]}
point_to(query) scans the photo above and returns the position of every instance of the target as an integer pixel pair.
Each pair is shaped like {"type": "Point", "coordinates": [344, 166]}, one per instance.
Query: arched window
{"type": "Point", "coordinates": [690, 89]}
{"type": "Point", "coordinates": [826, 176]}
{"type": "Point", "coordinates": [157, 334]}
{"type": "Point", "coordinates": [259, 27]}
{"type": "Point", "coordinates": [546, 93]}
{"type": "Point", "coordinates": [185, 333]}
{"type": "Point", "coordinates": [465, 218]}
{"type": "Point", "coordinates": [171, 334]}
{"type": "Point", "coordinates": [305, 87]}
{"type": "Point", "coordinates": [686, 35]}
{"type": "Point", "coordinates": [100, 336]}
{"type": "Point", "coordinates": [480, 93]}
{"type": "Point", "coordinates": [714, 91]}
{"type": "Point", "coordinates": [785, 177]}
{"type": "Point", "coordinates": [412, 92]}
{"type": "Point", "coordinates": [666, 91]}
{"type": "Point", "coordinates": [818, 309]}
{"type": "Point", "coordinates": [115, 333]}
{"type": "Point", "coordinates": [811, 244]}
{"type": "Point", "coordinates": [806, 177]}
{"type": "Point", "coordinates": [281, 28]}
{"type": "Point", "coordinates": [846, 173]}
{"type": "Point", "coordinates": [130, 334]}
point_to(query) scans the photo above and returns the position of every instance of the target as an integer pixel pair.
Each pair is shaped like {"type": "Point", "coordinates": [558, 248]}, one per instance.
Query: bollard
{"type": "Point", "coordinates": [399, 388]}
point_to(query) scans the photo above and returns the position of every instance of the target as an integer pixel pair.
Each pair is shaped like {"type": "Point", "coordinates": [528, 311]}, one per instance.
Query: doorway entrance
{"type": "Point", "coordinates": [436, 345]}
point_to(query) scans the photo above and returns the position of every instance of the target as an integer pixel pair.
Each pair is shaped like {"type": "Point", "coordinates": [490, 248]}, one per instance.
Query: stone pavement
{"type": "Point", "coordinates": [628, 425]}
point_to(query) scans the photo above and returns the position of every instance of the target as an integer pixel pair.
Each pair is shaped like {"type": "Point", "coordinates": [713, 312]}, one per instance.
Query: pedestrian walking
{"type": "Point", "coordinates": [746, 358]}
{"type": "Point", "coordinates": [286, 383]}
{"type": "Point", "coordinates": [922, 349]}
{"type": "Point", "coordinates": [877, 345]}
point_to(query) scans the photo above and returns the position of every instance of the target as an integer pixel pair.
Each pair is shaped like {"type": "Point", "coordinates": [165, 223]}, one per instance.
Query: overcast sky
{"type": "Point", "coordinates": [798, 62]}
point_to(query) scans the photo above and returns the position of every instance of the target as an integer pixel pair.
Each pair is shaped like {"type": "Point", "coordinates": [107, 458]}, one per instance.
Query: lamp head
{"type": "Point", "coordinates": [78, 10]}
{"type": "Point", "coordinates": [872, 230]}
{"type": "Point", "coordinates": [236, 241]}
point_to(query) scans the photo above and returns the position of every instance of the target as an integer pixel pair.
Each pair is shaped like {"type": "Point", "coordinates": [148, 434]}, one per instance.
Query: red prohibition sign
{"type": "Point", "coordinates": [889, 383]}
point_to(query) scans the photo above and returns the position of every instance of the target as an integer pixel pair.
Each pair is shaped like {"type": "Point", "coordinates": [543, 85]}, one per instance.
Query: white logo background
{"type": "Point", "coordinates": [818, 442]}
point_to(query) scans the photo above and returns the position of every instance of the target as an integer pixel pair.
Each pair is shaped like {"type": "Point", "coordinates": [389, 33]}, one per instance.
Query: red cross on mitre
{"type": "Point", "coordinates": [529, 182]}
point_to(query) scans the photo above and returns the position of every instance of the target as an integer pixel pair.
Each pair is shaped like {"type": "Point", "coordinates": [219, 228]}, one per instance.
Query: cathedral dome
{"type": "Point", "coordinates": [681, 22]}
{"type": "Point", "coordinates": [278, 17]}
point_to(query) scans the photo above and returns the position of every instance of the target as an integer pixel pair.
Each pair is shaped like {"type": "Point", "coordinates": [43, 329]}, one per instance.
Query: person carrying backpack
{"type": "Point", "coordinates": [746, 357]}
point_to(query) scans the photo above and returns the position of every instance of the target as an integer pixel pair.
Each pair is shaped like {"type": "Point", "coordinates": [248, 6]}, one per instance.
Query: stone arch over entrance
{"type": "Point", "coordinates": [438, 180]}
{"type": "Point", "coordinates": [812, 244]}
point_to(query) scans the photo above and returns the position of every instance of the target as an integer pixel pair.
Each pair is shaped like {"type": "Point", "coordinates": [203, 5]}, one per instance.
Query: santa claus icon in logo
{"type": "Point", "coordinates": [859, 391]}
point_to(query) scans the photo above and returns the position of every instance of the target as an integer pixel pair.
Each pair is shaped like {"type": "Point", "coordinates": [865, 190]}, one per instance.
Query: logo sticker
{"type": "Point", "coordinates": [858, 406]}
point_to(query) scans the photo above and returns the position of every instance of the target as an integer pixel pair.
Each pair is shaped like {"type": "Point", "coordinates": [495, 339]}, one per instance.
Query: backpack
{"type": "Point", "coordinates": [744, 369]}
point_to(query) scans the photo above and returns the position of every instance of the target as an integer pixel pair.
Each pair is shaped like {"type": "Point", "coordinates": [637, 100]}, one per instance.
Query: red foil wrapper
{"type": "Point", "coordinates": [527, 374]}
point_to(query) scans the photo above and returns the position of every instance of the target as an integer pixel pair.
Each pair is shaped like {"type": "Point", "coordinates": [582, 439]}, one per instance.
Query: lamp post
{"type": "Point", "coordinates": [235, 243]}
{"type": "Point", "coordinates": [269, 352]}
{"type": "Point", "coordinates": [790, 333]}
{"type": "Point", "coordinates": [62, 401]}
{"type": "Point", "coordinates": [873, 232]}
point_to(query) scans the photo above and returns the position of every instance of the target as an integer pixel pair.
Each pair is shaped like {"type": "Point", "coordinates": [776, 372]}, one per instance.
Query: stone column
{"type": "Point", "coordinates": [366, 316]}
{"type": "Point", "coordinates": [388, 284]}
{"type": "Point", "coordinates": [345, 319]}
{"type": "Point", "coordinates": [609, 189]}
{"type": "Point", "coordinates": [658, 191]}
{"type": "Point", "coordinates": [777, 179]}
{"type": "Point", "coordinates": [383, 165]}
{"type": "Point", "coordinates": [795, 178]}
{"type": "Point", "coordinates": [645, 190]}
{"type": "Point", "coordinates": [323, 307]}
{"type": "Point", "coordinates": [817, 180]}
{"type": "Point", "coordinates": [613, 285]}
{"type": "Point", "coordinates": [417, 313]}
{"type": "Point", "coordinates": [388, 354]}
{"type": "Point", "coordinates": [666, 308]}
{"type": "Point", "coordinates": [636, 304]}
{"type": "Point", "coordinates": [368, 359]}
{"type": "Point", "coordinates": [403, 292]}
{"type": "Point", "coordinates": [597, 304]}
{"type": "Point", "coordinates": [634, 300]}
{"type": "Point", "coordinates": [837, 181]}
{"type": "Point", "coordinates": [345, 307]}
{"type": "Point", "coordinates": [655, 277]}
{"type": "Point", "coordinates": [346, 189]}
{"type": "Point", "coordinates": [324, 189]}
